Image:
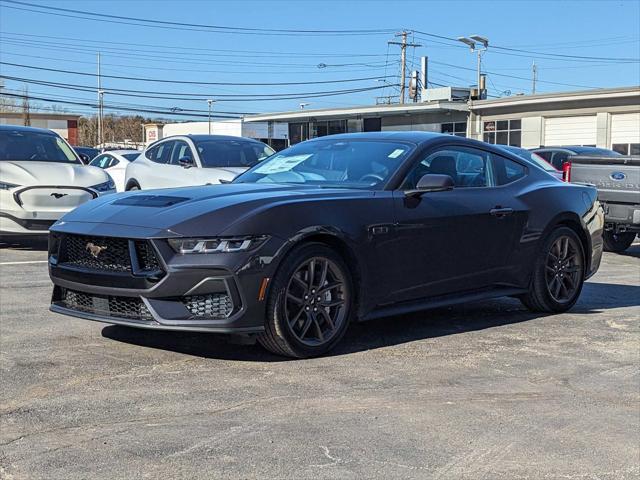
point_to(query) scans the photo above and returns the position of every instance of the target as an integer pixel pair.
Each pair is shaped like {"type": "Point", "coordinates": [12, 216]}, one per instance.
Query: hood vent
{"type": "Point", "coordinates": [150, 200]}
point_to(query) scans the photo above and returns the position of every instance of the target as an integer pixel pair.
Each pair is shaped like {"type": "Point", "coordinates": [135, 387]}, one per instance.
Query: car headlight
{"type": "Point", "coordinates": [216, 245]}
{"type": "Point", "coordinates": [7, 186]}
{"type": "Point", "coordinates": [104, 187]}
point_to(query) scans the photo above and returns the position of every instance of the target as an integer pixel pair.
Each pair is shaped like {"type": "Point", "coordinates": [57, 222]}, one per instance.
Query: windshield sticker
{"type": "Point", "coordinates": [396, 153]}
{"type": "Point", "coordinates": [281, 164]}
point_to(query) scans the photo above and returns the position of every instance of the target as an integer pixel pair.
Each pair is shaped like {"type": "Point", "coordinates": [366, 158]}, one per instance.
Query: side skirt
{"type": "Point", "coordinates": [441, 301]}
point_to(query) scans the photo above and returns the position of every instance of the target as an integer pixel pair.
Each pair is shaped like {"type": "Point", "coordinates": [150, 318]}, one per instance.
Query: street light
{"type": "Point", "coordinates": [210, 102]}
{"type": "Point", "coordinates": [472, 42]}
{"type": "Point", "coordinates": [302, 105]}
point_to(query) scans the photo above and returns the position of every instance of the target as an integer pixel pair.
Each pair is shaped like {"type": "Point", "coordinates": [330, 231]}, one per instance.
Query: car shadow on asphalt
{"type": "Point", "coordinates": [384, 332]}
{"type": "Point", "coordinates": [34, 244]}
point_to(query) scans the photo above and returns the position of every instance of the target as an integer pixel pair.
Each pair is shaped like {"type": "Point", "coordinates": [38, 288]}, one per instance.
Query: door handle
{"type": "Point", "coordinates": [501, 212]}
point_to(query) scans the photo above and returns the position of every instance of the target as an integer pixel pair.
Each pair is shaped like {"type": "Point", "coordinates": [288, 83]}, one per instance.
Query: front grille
{"type": "Point", "coordinates": [108, 254]}
{"type": "Point", "coordinates": [37, 224]}
{"type": "Point", "coordinates": [131, 308]}
{"type": "Point", "coordinates": [211, 306]}
{"type": "Point", "coordinates": [97, 253]}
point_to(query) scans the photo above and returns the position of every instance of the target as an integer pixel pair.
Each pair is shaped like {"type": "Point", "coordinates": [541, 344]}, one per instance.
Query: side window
{"type": "Point", "coordinates": [558, 159]}
{"type": "Point", "coordinates": [466, 166]}
{"type": "Point", "coordinates": [181, 149]}
{"type": "Point", "coordinates": [101, 161]}
{"type": "Point", "coordinates": [546, 155]}
{"type": "Point", "coordinates": [114, 161]}
{"type": "Point", "coordinates": [506, 171]}
{"type": "Point", "coordinates": [160, 153]}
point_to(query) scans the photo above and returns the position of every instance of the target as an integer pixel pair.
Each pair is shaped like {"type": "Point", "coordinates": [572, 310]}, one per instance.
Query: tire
{"type": "Point", "coordinates": [308, 318]}
{"type": "Point", "coordinates": [617, 242]}
{"type": "Point", "coordinates": [558, 274]}
{"type": "Point", "coordinates": [132, 187]}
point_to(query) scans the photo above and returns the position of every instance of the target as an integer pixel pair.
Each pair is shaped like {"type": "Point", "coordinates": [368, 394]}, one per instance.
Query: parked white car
{"type": "Point", "coordinates": [115, 162]}
{"type": "Point", "coordinates": [194, 160]}
{"type": "Point", "coordinates": [41, 179]}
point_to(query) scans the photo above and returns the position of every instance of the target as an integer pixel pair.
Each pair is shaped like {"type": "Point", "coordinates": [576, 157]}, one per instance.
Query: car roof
{"type": "Point", "coordinates": [122, 151]}
{"type": "Point", "coordinates": [202, 137]}
{"type": "Point", "coordinates": [22, 128]}
{"type": "Point", "coordinates": [402, 136]}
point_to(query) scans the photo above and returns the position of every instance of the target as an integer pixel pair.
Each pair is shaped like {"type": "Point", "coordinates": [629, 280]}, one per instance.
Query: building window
{"type": "Point", "coordinates": [331, 127]}
{"type": "Point", "coordinates": [503, 132]}
{"type": "Point", "coordinates": [627, 148]}
{"type": "Point", "coordinates": [298, 132]}
{"type": "Point", "coordinates": [459, 129]}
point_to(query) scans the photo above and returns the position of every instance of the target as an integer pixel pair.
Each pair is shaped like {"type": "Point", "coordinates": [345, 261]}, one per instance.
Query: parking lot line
{"type": "Point", "coordinates": [23, 263]}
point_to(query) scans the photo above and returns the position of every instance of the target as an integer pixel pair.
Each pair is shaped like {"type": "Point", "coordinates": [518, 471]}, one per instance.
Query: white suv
{"type": "Point", "coordinates": [194, 160]}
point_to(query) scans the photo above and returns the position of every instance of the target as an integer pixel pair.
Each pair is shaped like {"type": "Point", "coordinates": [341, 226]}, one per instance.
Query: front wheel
{"type": "Point", "coordinates": [558, 273]}
{"type": "Point", "coordinates": [309, 303]}
{"type": "Point", "coordinates": [617, 242]}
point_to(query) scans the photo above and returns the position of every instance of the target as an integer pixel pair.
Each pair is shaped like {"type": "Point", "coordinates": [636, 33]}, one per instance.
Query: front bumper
{"type": "Point", "coordinates": [22, 219]}
{"type": "Point", "coordinates": [194, 292]}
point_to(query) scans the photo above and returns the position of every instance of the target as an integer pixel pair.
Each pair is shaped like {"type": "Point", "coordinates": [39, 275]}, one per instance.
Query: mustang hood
{"type": "Point", "coordinates": [176, 211]}
{"type": "Point", "coordinates": [28, 173]}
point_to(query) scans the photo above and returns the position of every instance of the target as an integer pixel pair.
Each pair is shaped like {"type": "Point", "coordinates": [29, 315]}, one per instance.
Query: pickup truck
{"type": "Point", "coordinates": [618, 182]}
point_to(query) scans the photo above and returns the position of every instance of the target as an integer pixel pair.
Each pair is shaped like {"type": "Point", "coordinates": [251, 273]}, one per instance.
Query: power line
{"type": "Point", "coordinates": [187, 82]}
{"type": "Point", "coordinates": [190, 96]}
{"type": "Point", "coordinates": [260, 53]}
{"type": "Point", "coordinates": [67, 12]}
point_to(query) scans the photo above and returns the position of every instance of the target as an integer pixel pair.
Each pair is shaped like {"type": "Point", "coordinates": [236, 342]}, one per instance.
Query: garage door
{"type": "Point", "coordinates": [570, 130]}
{"type": "Point", "coordinates": [625, 128]}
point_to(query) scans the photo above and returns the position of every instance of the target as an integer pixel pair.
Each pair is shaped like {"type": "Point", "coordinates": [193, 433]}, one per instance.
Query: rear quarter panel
{"type": "Point", "coordinates": [551, 204]}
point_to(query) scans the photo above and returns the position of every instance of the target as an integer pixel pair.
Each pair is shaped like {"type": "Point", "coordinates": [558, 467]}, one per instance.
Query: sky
{"type": "Point", "coordinates": [349, 42]}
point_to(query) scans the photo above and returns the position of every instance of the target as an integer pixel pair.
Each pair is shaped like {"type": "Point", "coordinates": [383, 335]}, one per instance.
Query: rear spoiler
{"type": "Point", "coordinates": [603, 160]}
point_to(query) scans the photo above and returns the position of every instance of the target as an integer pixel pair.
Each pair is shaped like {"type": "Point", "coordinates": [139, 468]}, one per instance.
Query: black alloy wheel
{"type": "Point", "coordinates": [315, 301]}
{"type": "Point", "coordinates": [309, 303]}
{"type": "Point", "coordinates": [563, 269]}
{"type": "Point", "coordinates": [558, 273]}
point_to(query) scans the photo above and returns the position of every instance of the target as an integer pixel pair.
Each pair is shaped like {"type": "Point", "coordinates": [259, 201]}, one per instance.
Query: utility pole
{"type": "Point", "coordinates": [403, 60]}
{"type": "Point", "coordinates": [534, 77]}
{"type": "Point", "coordinates": [26, 108]}
{"type": "Point", "coordinates": [210, 102]}
{"type": "Point", "coordinates": [100, 100]}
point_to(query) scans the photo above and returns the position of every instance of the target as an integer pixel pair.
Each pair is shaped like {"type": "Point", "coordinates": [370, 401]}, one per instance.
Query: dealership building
{"type": "Point", "coordinates": [608, 118]}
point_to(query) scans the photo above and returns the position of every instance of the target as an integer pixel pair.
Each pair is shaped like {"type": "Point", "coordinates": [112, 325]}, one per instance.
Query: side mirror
{"type": "Point", "coordinates": [186, 162]}
{"type": "Point", "coordinates": [431, 183]}
{"type": "Point", "coordinates": [84, 158]}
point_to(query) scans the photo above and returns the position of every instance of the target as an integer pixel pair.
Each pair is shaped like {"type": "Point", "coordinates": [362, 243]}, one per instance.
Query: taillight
{"type": "Point", "coordinates": [566, 172]}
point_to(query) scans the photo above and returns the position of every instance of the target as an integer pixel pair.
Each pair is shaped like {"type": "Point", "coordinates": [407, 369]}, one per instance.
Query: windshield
{"type": "Point", "coordinates": [344, 163]}
{"type": "Point", "coordinates": [232, 153]}
{"type": "Point", "coordinates": [21, 145]}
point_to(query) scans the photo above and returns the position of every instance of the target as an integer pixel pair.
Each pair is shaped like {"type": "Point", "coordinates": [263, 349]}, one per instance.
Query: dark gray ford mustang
{"type": "Point", "coordinates": [337, 229]}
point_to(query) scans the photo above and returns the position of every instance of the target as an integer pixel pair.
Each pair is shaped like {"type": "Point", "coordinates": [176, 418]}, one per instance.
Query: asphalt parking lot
{"type": "Point", "coordinates": [481, 391]}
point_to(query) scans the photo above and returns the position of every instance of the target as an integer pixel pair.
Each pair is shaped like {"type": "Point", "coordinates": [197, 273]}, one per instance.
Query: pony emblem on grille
{"type": "Point", "coordinates": [94, 250]}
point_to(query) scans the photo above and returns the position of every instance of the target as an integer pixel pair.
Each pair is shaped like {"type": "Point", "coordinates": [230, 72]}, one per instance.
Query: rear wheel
{"type": "Point", "coordinates": [617, 242]}
{"type": "Point", "coordinates": [558, 274]}
{"type": "Point", "coordinates": [133, 187]}
{"type": "Point", "coordinates": [309, 303]}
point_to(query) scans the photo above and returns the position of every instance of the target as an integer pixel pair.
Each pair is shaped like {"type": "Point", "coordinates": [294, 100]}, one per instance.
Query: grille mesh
{"type": "Point", "coordinates": [146, 256]}
{"type": "Point", "coordinates": [115, 257]}
{"type": "Point", "coordinates": [213, 306]}
{"type": "Point", "coordinates": [106, 306]}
